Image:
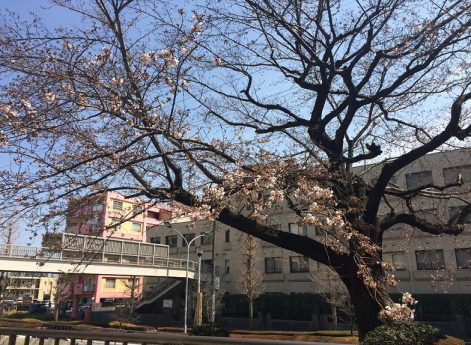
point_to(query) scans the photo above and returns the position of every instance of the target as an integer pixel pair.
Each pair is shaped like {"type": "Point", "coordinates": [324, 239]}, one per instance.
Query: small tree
{"type": "Point", "coordinates": [126, 313]}
{"type": "Point", "coordinates": [8, 235]}
{"type": "Point", "coordinates": [207, 303]}
{"type": "Point", "coordinates": [62, 292]}
{"type": "Point", "coordinates": [329, 286]}
{"type": "Point", "coordinates": [250, 281]}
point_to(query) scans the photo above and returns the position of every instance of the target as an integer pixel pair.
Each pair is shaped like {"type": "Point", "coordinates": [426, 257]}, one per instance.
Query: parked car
{"type": "Point", "coordinates": [7, 303]}
{"type": "Point", "coordinates": [38, 307]}
{"type": "Point", "coordinates": [85, 306]}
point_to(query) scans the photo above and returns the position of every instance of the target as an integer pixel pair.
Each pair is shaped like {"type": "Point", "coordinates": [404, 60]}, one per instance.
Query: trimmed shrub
{"type": "Point", "coordinates": [209, 329]}
{"type": "Point", "coordinates": [403, 333]}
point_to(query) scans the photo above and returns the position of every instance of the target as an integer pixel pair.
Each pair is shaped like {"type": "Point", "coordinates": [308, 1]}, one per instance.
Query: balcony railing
{"type": "Point", "coordinates": [89, 288]}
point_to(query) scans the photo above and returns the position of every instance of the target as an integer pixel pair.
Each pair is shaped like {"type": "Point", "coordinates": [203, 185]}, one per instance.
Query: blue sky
{"type": "Point", "coordinates": [52, 15]}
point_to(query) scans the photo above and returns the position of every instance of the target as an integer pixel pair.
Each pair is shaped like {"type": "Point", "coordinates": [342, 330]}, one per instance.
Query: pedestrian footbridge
{"type": "Point", "coordinates": [71, 253]}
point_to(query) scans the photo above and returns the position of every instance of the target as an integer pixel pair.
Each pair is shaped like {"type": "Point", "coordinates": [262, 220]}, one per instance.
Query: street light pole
{"type": "Point", "coordinates": [213, 276]}
{"type": "Point", "coordinates": [188, 244]}
{"type": "Point", "coordinates": [199, 252]}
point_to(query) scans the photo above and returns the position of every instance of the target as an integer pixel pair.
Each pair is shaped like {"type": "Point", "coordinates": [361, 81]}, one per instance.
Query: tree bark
{"type": "Point", "coordinates": [56, 310]}
{"type": "Point", "coordinates": [333, 312]}
{"type": "Point", "coordinates": [250, 313]}
{"type": "Point", "coordinates": [367, 306]}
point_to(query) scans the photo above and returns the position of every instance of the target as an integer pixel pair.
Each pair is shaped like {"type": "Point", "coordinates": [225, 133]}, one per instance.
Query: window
{"type": "Point", "coordinates": [430, 259]}
{"type": "Point", "coordinates": [273, 265]}
{"type": "Point", "coordinates": [206, 266]}
{"type": "Point", "coordinates": [418, 179]}
{"type": "Point", "coordinates": [136, 227]}
{"type": "Point", "coordinates": [132, 283]}
{"type": "Point", "coordinates": [155, 240]}
{"type": "Point", "coordinates": [207, 239]}
{"type": "Point", "coordinates": [171, 241]}
{"type": "Point", "coordinates": [450, 175]}
{"type": "Point", "coordinates": [298, 264]}
{"type": "Point", "coordinates": [94, 221]}
{"type": "Point", "coordinates": [117, 205]}
{"type": "Point", "coordinates": [309, 229]}
{"type": "Point", "coordinates": [397, 259]}
{"type": "Point", "coordinates": [463, 258]}
{"type": "Point", "coordinates": [296, 229]}
{"type": "Point", "coordinates": [188, 238]}
{"type": "Point", "coordinates": [227, 268]}
{"type": "Point", "coordinates": [454, 213]}
{"type": "Point", "coordinates": [137, 209]}
{"type": "Point", "coordinates": [153, 215]}
{"type": "Point", "coordinates": [115, 223]}
{"type": "Point", "coordinates": [110, 283]}
{"type": "Point", "coordinates": [97, 207]}
{"type": "Point", "coordinates": [227, 236]}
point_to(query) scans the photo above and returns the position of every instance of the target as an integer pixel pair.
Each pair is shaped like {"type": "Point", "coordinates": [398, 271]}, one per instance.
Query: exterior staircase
{"type": "Point", "coordinates": [157, 291]}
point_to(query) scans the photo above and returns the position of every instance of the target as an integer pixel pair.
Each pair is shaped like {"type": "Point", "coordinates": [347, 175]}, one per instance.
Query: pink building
{"type": "Point", "coordinates": [110, 215]}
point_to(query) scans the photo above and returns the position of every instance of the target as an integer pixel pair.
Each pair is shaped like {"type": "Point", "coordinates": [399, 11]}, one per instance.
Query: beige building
{"type": "Point", "coordinates": [424, 263]}
{"type": "Point", "coordinates": [26, 285]}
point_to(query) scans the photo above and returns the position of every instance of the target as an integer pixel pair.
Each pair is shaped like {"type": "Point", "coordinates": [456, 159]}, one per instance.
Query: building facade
{"type": "Point", "coordinates": [111, 215]}
{"type": "Point", "coordinates": [425, 264]}
{"type": "Point", "coordinates": [30, 286]}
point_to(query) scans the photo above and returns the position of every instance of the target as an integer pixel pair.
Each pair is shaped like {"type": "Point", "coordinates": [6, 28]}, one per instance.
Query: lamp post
{"type": "Point", "coordinates": [188, 244]}
{"type": "Point", "coordinates": [199, 252]}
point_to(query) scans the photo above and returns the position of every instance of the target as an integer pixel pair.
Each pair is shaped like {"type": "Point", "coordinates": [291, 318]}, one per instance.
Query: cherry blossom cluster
{"type": "Point", "coordinates": [400, 311]}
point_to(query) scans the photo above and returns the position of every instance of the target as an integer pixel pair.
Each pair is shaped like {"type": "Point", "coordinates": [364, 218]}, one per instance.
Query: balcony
{"type": "Point", "coordinates": [89, 288]}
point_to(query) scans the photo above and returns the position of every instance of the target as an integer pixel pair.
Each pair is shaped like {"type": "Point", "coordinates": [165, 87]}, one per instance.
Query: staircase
{"type": "Point", "coordinates": [157, 291]}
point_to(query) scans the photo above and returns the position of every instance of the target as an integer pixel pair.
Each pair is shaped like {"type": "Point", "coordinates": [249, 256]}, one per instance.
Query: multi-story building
{"type": "Point", "coordinates": [39, 286]}
{"type": "Point", "coordinates": [425, 264]}
{"type": "Point", "coordinates": [111, 215]}
{"type": "Point", "coordinates": [428, 263]}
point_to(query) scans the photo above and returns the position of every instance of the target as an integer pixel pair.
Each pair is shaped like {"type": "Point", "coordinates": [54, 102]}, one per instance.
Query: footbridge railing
{"type": "Point", "coordinates": [43, 255]}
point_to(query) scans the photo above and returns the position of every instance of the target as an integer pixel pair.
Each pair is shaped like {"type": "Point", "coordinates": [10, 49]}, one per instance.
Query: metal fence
{"type": "Point", "coordinates": [44, 254]}
{"type": "Point", "coordinates": [18, 336]}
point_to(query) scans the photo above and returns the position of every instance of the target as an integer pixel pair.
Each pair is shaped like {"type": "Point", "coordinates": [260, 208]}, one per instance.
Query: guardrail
{"type": "Point", "coordinates": [45, 254]}
{"type": "Point", "coordinates": [18, 336]}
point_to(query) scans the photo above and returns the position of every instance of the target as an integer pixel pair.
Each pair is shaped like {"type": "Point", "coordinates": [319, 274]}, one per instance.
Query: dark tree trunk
{"type": "Point", "coordinates": [367, 304]}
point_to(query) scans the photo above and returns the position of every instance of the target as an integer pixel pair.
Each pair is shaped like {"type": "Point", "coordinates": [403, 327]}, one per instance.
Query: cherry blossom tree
{"type": "Point", "coordinates": [238, 110]}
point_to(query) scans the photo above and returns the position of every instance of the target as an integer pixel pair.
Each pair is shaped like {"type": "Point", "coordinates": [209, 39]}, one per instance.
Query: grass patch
{"type": "Point", "coordinates": [449, 341]}
{"type": "Point", "coordinates": [24, 315]}
{"type": "Point", "coordinates": [24, 319]}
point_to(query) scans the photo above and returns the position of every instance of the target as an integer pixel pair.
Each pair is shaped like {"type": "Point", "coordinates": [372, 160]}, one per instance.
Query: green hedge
{"type": "Point", "coordinates": [403, 333]}
{"type": "Point", "coordinates": [209, 329]}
